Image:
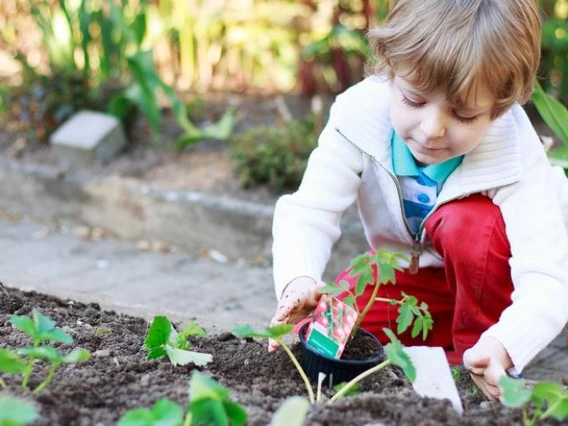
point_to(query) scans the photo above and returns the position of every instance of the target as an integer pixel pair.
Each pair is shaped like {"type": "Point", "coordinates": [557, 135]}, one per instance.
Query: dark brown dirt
{"type": "Point", "coordinates": [118, 377]}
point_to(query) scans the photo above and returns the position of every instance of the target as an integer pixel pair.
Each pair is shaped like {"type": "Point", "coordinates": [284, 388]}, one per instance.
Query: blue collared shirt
{"type": "Point", "coordinates": [420, 185]}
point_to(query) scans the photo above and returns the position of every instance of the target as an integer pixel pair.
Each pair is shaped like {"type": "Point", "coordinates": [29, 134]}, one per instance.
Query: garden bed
{"type": "Point", "coordinates": [118, 377]}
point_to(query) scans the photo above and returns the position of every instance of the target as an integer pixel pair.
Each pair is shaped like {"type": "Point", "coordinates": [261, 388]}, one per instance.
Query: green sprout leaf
{"type": "Point", "coordinates": [276, 332]}
{"type": "Point", "coordinates": [332, 289]}
{"type": "Point", "coordinates": [16, 412]}
{"type": "Point", "coordinates": [209, 403]}
{"type": "Point", "coordinates": [162, 339]}
{"type": "Point", "coordinates": [163, 413]}
{"type": "Point", "coordinates": [514, 392]}
{"type": "Point", "coordinates": [159, 332]}
{"type": "Point", "coordinates": [40, 328]}
{"type": "Point", "coordinates": [10, 362]}
{"type": "Point", "coordinates": [183, 357]}
{"type": "Point", "coordinates": [396, 355]}
{"type": "Point", "coordinates": [556, 397]}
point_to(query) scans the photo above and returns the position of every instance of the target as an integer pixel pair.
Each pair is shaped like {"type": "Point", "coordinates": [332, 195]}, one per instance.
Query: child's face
{"type": "Point", "coordinates": [433, 128]}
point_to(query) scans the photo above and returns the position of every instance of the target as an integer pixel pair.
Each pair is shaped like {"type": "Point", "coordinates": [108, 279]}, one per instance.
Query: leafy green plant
{"type": "Point", "coordinates": [545, 399]}
{"type": "Point", "coordinates": [40, 329]}
{"type": "Point", "coordinates": [273, 156]}
{"type": "Point", "coordinates": [394, 352]}
{"type": "Point", "coordinates": [209, 404]}
{"type": "Point", "coordinates": [142, 92]}
{"type": "Point", "coordinates": [292, 412]}
{"type": "Point", "coordinates": [163, 340]}
{"type": "Point", "coordinates": [16, 412]}
{"type": "Point", "coordinates": [385, 263]}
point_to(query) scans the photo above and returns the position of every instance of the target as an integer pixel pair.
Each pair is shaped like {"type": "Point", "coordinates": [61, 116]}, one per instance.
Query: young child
{"type": "Point", "coordinates": [446, 167]}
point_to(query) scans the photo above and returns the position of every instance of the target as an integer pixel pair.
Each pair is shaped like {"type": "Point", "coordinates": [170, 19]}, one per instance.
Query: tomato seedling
{"type": "Point", "coordinates": [162, 339]}
{"type": "Point", "coordinates": [385, 263]}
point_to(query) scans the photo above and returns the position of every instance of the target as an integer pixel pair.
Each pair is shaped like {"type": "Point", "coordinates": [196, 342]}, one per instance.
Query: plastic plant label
{"type": "Point", "coordinates": [331, 326]}
{"type": "Point", "coordinates": [433, 375]}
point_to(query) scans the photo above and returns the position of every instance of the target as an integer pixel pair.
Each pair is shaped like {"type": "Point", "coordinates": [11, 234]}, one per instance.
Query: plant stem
{"type": "Point", "coordinates": [360, 377]}
{"type": "Point", "coordinates": [187, 421]}
{"type": "Point", "coordinates": [382, 299]}
{"type": "Point", "coordinates": [300, 370]}
{"type": "Point", "coordinates": [367, 307]}
{"type": "Point", "coordinates": [28, 372]}
{"type": "Point", "coordinates": [47, 379]}
{"type": "Point", "coordinates": [2, 383]}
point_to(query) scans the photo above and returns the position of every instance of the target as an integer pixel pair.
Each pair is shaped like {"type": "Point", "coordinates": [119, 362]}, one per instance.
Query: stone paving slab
{"type": "Point", "coordinates": [182, 286]}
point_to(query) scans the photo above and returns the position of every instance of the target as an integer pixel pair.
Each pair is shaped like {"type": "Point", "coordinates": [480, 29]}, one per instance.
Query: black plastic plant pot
{"type": "Point", "coordinates": [336, 370]}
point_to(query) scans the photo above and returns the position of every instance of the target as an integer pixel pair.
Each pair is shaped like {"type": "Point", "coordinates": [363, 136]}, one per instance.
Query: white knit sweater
{"type": "Point", "coordinates": [353, 163]}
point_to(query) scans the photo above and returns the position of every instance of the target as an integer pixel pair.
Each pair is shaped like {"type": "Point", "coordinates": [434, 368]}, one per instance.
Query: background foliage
{"type": "Point", "coordinates": [129, 56]}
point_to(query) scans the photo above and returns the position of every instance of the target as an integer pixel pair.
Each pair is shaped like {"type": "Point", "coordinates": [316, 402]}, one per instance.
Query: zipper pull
{"type": "Point", "coordinates": [415, 255]}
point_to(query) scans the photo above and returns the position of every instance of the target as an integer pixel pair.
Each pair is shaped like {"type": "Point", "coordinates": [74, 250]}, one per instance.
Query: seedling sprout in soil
{"type": "Point", "coordinates": [162, 339]}
{"type": "Point", "coordinates": [16, 412]}
{"type": "Point", "coordinates": [39, 328]}
{"type": "Point", "coordinates": [386, 263]}
{"type": "Point", "coordinates": [394, 352]}
{"type": "Point", "coordinates": [209, 404]}
{"type": "Point", "coordinates": [544, 400]}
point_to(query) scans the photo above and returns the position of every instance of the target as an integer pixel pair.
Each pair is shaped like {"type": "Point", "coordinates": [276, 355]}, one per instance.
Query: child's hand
{"type": "Point", "coordinates": [299, 299]}
{"type": "Point", "coordinates": [487, 361]}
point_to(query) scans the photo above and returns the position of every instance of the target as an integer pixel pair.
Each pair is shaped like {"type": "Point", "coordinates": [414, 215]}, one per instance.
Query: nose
{"type": "Point", "coordinates": [432, 124]}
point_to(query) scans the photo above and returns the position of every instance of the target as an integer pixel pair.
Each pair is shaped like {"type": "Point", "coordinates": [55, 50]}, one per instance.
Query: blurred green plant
{"type": "Point", "coordinates": [555, 115]}
{"type": "Point", "coordinates": [554, 59]}
{"type": "Point", "coordinates": [273, 156]}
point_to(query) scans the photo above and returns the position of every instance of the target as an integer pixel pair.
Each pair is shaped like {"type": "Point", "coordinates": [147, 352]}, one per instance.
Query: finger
{"type": "Point", "coordinates": [272, 346]}
{"type": "Point", "coordinates": [491, 392]}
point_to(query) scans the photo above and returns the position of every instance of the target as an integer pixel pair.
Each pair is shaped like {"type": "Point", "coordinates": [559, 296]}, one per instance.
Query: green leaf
{"type": "Point", "coordinates": [158, 333]}
{"type": "Point", "coordinates": [556, 396]}
{"type": "Point", "coordinates": [164, 413]}
{"type": "Point", "coordinates": [208, 412]}
{"type": "Point", "coordinates": [183, 357]}
{"type": "Point", "coordinates": [514, 392]}
{"type": "Point", "coordinates": [24, 324]}
{"type": "Point", "coordinates": [404, 319]}
{"type": "Point", "coordinates": [553, 112]}
{"type": "Point", "coordinates": [16, 412]}
{"type": "Point", "coordinates": [396, 355]}
{"type": "Point", "coordinates": [236, 413]}
{"type": "Point", "coordinates": [350, 300]}
{"type": "Point", "coordinates": [204, 387]}
{"type": "Point", "coordinates": [332, 289]}
{"type": "Point", "coordinates": [40, 328]}
{"type": "Point", "coordinates": [45, 353]}
{"type": "Point", "coordinates": [292, 412]}
{"type": "Point", "coordinates": [417, 327]}
{"type": "Point", "coordinates": [193, 329]}
{"type": "Point", "coordinates": [77, 355]}
{"type": "Point", "coordinates": [275, 332]}
{"type": "Point", "coordinates": [156, 353]}
{"type": "Point", "coordinates": [10, 362]}
{"type": "Point", "coordinates": [352, 391]}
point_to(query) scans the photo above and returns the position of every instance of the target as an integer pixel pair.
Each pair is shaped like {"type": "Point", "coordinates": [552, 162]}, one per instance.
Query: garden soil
{"type": "Point", "coordinates": [119, 377]}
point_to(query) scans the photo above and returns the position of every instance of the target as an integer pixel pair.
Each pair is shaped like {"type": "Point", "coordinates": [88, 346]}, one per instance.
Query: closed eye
{"type": "Point", "coordinates": [410, 103]}
{"type": "Point", "coordinates": [465, 120]}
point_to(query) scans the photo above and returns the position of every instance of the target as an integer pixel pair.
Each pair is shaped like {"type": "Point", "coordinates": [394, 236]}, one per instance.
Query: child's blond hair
{"type": "Point", "coordinates": [455, 45]}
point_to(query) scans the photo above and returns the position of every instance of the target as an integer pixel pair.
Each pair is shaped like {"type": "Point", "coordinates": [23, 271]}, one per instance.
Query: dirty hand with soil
{"type": "Point", "coordinates": [299, 298]}
{"type": "Point", "coordinates": [487, 361]}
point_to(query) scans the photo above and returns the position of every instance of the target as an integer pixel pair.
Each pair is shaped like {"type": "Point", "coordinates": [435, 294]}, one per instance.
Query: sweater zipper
{"type": "Point", "coordinates": [416, 236]}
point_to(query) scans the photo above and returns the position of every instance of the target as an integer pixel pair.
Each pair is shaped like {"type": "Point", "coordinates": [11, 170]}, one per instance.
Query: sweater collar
{"type": "Point", "coordinates": [362, 116]}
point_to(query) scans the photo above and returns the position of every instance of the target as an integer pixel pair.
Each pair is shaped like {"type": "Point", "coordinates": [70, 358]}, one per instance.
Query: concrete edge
{"type": "Point", "coordinates": [133, 211]}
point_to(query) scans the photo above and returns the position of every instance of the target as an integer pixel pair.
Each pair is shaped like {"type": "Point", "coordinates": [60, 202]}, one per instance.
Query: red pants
{"type": "Point", "coordinates": [468, 294]}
